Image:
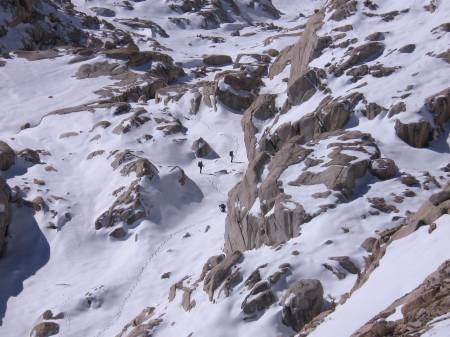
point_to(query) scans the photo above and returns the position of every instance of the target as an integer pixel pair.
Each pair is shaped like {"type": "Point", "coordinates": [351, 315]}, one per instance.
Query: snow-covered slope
{"type": "Point", "coordinates": [336, 195]}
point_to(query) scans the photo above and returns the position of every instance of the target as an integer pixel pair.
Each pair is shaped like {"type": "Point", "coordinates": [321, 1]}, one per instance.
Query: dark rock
{"type": "Point", "coordinates": [302, 302]}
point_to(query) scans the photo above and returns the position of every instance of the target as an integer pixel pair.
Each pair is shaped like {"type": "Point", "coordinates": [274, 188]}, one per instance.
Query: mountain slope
{"type": "Point", "coordinates": [336, 195]}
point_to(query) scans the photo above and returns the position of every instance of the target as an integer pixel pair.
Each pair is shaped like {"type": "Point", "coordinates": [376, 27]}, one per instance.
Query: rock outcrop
{"type": "Point", "coordinates": [7, 156]}
{"type": "Point", "coordinates": [262, 209]}
{"type": "Point", "coordinates": [302, 302]}
{"type": "Point", "coordinates": [39, 24]}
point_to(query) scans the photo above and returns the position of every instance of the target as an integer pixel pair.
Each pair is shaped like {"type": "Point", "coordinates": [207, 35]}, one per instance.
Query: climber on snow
{"type": "Point", "coordinates": [200, 166]}
{"type": "Point", "coordinates": [222, 208]}
{"type": "Point", "coordinates": [231, 155]}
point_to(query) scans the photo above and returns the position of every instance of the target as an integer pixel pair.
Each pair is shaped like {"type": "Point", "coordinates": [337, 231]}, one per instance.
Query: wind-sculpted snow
{"type": "Point", "coordinates": [224, 168]}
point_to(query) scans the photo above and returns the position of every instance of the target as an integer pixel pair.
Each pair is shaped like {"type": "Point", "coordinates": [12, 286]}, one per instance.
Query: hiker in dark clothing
{"type": "Point", "coordinates": [231, 156]}
{"type": "Point", "coordinates": [200, 166]}
{"type": "Point", "coordinates": [222, 208]}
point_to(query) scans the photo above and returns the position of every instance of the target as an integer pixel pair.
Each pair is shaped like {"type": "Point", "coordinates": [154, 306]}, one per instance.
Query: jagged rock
{"type": "Point", "coordinates": [7, 156]}
{"type": "Point", "coordinates": [369, 244]}
{"type": "Point", "coordinates": [343, 9]}
{"type": "Point", "coordinates": [172, 128]}
{"type": "Point", "coordinates": [373, 110]}
{"type": "Point", "coordinates": [309, 47]}
{"type": "Point", "coordinates": [217, 275]}
{"type": "Point", "coordinates": [381, 205]}
{"type": "Point", "coordinates": [30, 156]}
{"type": "Point", "coordinates": [238, 90]}
{"type": "Point", "coordinates": [439, 105]}
{"type": "Point", "coordinates": [396, 109]}
{"type": "Point", "coordinates": [358, 72]}
{"type": "Point", "coordinates": [363, 54]}
{"type": "Point", "coordinates": [202, 149]}
{"type": "Point", "coordinates": [305, 86]}
{"type": "Point", "coordinates": [45, 329]}
{"type": "Point", "coordinates": [384, 168]}
{"type": "Point", "coordinates": [262, 108]}
{"type": "Point", "coordinates": [142, 325]}
{"type": "Point", "coordinates": [416, 134]}
{"type": "Point", "coordinates": [217, 60]}
{"type": "Point", "coordinates": [34, 25]}
{"type": "Point", "coordinates": [37, 204]}
{"type": "Point", "coordinates": [130, 123]}
{"type": "Point", "coordinates": [210, 264]}
{"type": "Point", "coordinates": [122, 108]}
{"type": "Point", "coordinates": [249, 226]}
{"type": "Point", "coordinates": [186, 302]}
{"type": "Point", "coordinates": [132, 163]}
{"type": "Point", "coordinates": [302, 302]}
{"type": "Point", "coordinates": [258, 301]}
{"type": "Point", "coordinates": [346, 263]}
{"type": "Point", "coordinates": [254, 278]}
{"type": "Point", "coordinates": [230, 282]}
{"type": "Point", "coordinates": [379, 70]}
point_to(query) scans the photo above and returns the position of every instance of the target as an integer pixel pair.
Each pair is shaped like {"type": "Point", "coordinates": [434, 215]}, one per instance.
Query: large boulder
{"type": "Point", "coordinates": [302, 302]}
{"type": "Point", "coordinates": [217, 60]}
{"type": "Point", "coordinates": [362, 54]}
{"type": "Point", "coordinates": [439, 105]}
{"type": "Point", "coordinates": [417, 134]}
{"type": "Point", "coordinates": [384, 168]}
{"type": "Point", "coordinates": [215, 277]}
{"type": "Point", "coordinates": [202, 149]}
{"type": "Point", "coordinates": [7, 156]}
{"type": "Point", "coordinates": [305, 86]}
{"type": "Point", "coordinates": [238, 90]}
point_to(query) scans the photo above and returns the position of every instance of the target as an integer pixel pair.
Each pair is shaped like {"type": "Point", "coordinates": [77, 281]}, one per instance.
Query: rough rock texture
{"type": "Point", "coordinates": [259, 298]}
{"type": "Point", "coordinates": [217, 60]}
{"type": "Point", "coordinates": [416, 134]}
{"type": "Point", "coordinates": [257, 207]}
{"type": "Point", "coordinates": [142, 325]}
{"type": "Point", "coordinates": [303, 82]}
{"type": "Point", "coordinates": [362, 54]}
{"type": "Point", "coordinates": [384, 168]}
{"type": "Point", "coordinates": [7, 156]}
{"type": "Point", "coordinates": [218, 274]}
{"type": "Point", "coordinates": [63, 27]}
{"type": "Point", "coordinates": [238, 90]}
{"type": "Point", "coordinates": [202, 149]}
{"type": "Point", "coordinates": [262, 108]}
{"type": "Point", "coordinates": [302, 302]}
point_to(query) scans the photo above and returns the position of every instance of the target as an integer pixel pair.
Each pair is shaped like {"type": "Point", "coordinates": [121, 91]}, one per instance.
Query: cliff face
{"type": "Point", "coordinates": [319, 101]}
